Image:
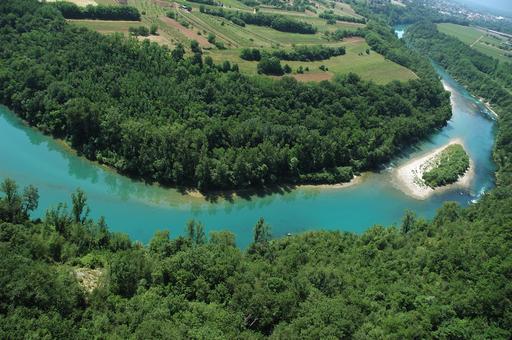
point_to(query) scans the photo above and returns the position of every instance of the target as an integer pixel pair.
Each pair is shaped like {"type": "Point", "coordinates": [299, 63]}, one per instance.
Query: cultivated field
{"type": "Point", "coordinates": [371, 66]}
{"type": "Point", "coordinates": [487, 43]}
{"type": "Point", "coordinates": [199, 25]}
{"type": "Point", "coordinates": [106, 26]}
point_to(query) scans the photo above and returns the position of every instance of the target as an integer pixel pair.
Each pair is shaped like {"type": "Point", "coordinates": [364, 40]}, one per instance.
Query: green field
{"type": "Point", "coordinates": [478, 39]}
{"type": "Point", "coordinates": [104, 26]}
{"type": "Point", "coordinates": [370, 67]}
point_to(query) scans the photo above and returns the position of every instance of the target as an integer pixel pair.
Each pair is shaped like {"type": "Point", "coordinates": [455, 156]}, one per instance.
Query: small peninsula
{"type": "Point", "coordinates": [423, 176]}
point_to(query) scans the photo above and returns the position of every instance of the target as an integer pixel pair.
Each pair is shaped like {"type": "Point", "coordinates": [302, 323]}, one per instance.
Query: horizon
{"type": "Point", "coordinates": [498, 7]}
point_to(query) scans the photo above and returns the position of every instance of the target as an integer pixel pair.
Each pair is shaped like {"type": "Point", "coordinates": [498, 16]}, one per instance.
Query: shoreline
{"type": "Point", "coordinates": [246, 192]}
{"type": "Point", "coordinates": [408, 176]}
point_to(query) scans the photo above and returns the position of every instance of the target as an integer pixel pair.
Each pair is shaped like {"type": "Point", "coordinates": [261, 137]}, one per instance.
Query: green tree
{"type": "Point", "coordinates": [80, 209]}
{"type": "Point", "coordinates": [408, 222]}
{"type": "Point", "coordinates": [178, 52]}
{"type": "Point", "coordinates": [262, 232]}
{"type": "Point", "coordinates": [153, 30]}
{"type": "Point", "coordinates": [211, 38]}
{"type": "Point", "coordinates": [270, 66]}
{"type": "Point", "coordinates": [126, 270]}
{"type": "Point", "coordinates": [195, 232]}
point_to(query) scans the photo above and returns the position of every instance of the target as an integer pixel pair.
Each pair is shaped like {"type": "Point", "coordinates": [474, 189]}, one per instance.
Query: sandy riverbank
{"type": "Point", "coordinates": [408, 177]}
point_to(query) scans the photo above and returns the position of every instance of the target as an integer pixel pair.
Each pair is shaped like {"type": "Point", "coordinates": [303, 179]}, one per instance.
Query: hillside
{"type": "Point", "coordinates": [229, 38]}
{"type": "Point", "coordinates": [178, 119]}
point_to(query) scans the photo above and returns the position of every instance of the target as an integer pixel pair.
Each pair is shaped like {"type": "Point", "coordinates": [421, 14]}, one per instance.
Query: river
{"type": "Point", "coordinates": [139, 210]}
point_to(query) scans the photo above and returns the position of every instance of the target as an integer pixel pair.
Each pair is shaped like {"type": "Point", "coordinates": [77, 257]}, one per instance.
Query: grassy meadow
{"type": "Point", "coordinates": [371, 66]}
{"type": "Point", "coordinates": [478, 39]}
{"type": "Point", "coordinates": [170, 32]}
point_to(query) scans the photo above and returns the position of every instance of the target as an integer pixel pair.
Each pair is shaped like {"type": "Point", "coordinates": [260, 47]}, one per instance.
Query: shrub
{"type": "Point", "coordinates": [270, 66]}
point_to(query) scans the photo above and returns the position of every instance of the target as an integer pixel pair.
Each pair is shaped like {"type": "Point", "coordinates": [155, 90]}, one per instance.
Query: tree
{"type": "Point", "coordinates": [270, 66]}
{"type": "Point", "coordinates": [287, 68]}
{"type": "Point", "coordinates": [211, 38]}
{"type": "Point", "coordinates": [223, 238]}
{"type": "Point", "coordinates": [226, 66]}
{"type": "Point", "coordinates": [261, 232]}
{"type": "Point", "coordinates": [208, 61]}
{"type": "Point", "coordinates": [160, 244]}
{"type": "Point", "coordinates": [11, 203]}
{"type": "Point", "coordinates": [194, 46]}
{"type": "Point", "coordinates": [408, 221]}
{"type": "Point", "coordinates": [126, 270]}
{"type": "Point", "coordinates": [195, 232]}
{"type": "Point", "coordinates": [80, 208]}
{"type": "Point", "coordinates": [30, 199]}
{"type": "Point", "coordinates": [178, 52]}
{"type": "Point", "coordinates": [153, 30]}
{"type": "Point", "coordinates": [14, 207]}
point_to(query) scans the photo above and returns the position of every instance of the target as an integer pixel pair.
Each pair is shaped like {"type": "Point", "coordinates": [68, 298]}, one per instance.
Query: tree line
{"type": "Point", "coordinates": [340, 34]}
{"type": "Point", "coordinates": [99, 12]}
{"type": "Point", "coordinates": [330, 15]}
{"type": "Point", "coordinates": [275, 21]}
{"type": "Point", "coordinates": [299, 53]}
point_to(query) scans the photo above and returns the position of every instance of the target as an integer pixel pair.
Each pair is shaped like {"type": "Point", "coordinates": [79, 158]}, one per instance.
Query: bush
{"type": "Point", "coordinates": [220, 45]}
{"type": "Point", "coordinates": [153, 30]}
{"type": "Point", "coordinates": [250, 54]}
{"type": "Point", "coordinates": [139, 31]}
{"type": "Point", "coordinates": [183, 22]}
{"type": "Point", "coordinates": [331, 176]}
{"type": "Point", "coordinates": [211, 38]}
{"type": "Point", "coordinates": [270, 66]}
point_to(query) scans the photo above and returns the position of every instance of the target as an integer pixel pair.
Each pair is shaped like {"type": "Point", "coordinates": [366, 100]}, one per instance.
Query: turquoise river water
{"type": "Point", "coordinates": [139, 210]}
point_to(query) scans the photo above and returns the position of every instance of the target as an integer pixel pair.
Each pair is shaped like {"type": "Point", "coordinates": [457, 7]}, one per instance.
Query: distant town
{"type": "Point", "coordinates": [454, 9]}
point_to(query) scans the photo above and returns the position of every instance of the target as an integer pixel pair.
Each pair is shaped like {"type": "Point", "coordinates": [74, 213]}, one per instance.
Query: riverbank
{"type": "Point", "coordinates": [408, 177]}
{"type": "Point", "coordinates": [284, 188]}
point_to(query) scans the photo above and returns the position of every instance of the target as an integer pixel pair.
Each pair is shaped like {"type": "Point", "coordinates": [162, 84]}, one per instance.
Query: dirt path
{"type": "Point", "coordinates": [200, 23]}
{"type": "Point", "coordinates": [186, 31]}
{"type": "Point", "coordinates": [476, 42]}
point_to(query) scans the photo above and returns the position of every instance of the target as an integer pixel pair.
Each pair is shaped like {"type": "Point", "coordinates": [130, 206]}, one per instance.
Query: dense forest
{"type": "Point", "coordinates": [448, 278]}
{"type": "Point", "coordinates": [167, 116]}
